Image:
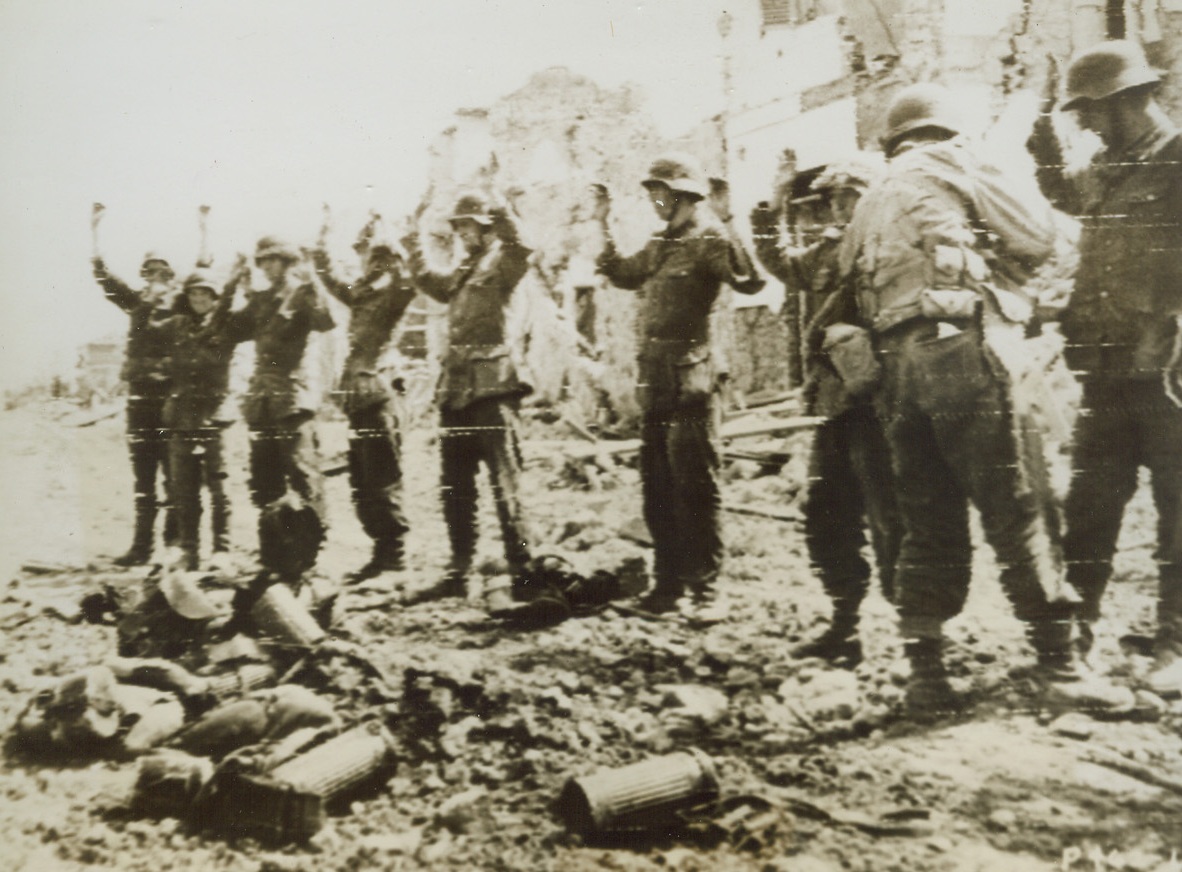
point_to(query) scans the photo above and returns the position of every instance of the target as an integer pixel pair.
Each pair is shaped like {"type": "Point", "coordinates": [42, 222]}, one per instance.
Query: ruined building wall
{"type": "Point", "coordinates": [819, 78]}
{"type": "Point", "coordinates": [541, 148]}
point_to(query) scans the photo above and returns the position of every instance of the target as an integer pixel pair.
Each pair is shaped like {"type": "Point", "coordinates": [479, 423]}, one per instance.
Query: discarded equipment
{"type": "Point", "coordinates": [641, 796]}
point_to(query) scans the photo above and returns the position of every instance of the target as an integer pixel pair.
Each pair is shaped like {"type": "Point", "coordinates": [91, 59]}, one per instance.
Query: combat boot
{"type": "Point", "coordinates": [386, 557]}
{"type": "Point", "coordinates": [1165, 679]}
{"type": "Point", "coordinates": [1066, 682]}
{"type": "Point", "coordinates": [664, 597]}
{"type": "Point", "coordinates": [838, 643]}
{"type": "Point", "coordinates": [141, 543]}
{"type": "Point", "coordinates": [453, 585]}
{"type": "Point", "coordinates": [220, 522]}
{"type": "Point", "coordinates": [928, 695]}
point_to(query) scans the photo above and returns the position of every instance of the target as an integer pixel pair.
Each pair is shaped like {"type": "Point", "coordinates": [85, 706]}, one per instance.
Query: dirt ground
{"type": "Point", "coordinates": [513, 714]}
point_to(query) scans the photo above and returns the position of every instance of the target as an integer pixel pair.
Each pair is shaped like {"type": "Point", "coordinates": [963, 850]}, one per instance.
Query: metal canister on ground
{"type": "Point", "coordinates": [278, 614]}
{"type": "Point", "coordinates": [248, 677]}
{"type": "Point", "coordinates": [167, 782]}
{"type": "Point", "coordinates": [338, 765]}
{"type": "Point", "coordinates": [639, 796]}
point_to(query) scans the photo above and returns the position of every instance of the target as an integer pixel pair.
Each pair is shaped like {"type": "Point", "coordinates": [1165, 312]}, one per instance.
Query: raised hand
{"type": "Point", "coordinates": [720, 198]}
{"type": "Point", "coordinates": [1050, 88]}
{"type": "Point", "coordinates": [601, 203]}
{"type": "Point", "coordinates": [325, 224]}
{"type": "Point", "coordinates": [96, 215]}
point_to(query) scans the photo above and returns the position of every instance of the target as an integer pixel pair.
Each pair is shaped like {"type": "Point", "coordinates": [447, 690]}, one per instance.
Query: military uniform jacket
{"type": "Point", "coordinates": [145, 362]}
{"type": "Point", "coordinates": [479, 362]}
{"type": "Point", "coordinates": [812, 269]}
{"type": "Point", "coordinates": [198, 366]}
{"type": "Point", "coordinates": [816, 271]}
{"type": "Point", "coordinates": [279, 320]}
{"type": "Point", "coordinates": [939, 220]}
{"type": "Point", "coordinates": [376, 305]}
{"type": "Point", "coordinates": [679, 274]}
{"type": "Point", "coordinates": [1120, 318]}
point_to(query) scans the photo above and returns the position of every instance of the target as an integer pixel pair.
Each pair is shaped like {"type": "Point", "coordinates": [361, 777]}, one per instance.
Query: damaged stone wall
{"type": "Point", "coordinates": [541, 148]}
{"type": "Point", "coordinates": [820, 83]}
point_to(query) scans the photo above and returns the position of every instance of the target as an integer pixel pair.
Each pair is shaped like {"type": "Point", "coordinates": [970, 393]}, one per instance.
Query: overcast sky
{"type": "Point", "coordinates": [263, 110]}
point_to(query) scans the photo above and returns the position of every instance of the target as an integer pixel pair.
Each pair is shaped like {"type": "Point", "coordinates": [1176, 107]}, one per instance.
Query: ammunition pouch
{"type": "Point", "coordinates": [851, 352]}
{"type": "Point", "coordinates": [675, 374]}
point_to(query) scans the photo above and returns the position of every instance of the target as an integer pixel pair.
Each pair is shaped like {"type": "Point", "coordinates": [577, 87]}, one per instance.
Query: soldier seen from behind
{"type": "Point", "coordinates": [1121, 325]}
{"type": "Point", "coordinates": [850, 486]}
{"type": "Point", "coordinates": [679, 275]}
{"type": "Point", "coordinates": [376, 301]}
{"type": "Point", "coordinates": [937, 247]}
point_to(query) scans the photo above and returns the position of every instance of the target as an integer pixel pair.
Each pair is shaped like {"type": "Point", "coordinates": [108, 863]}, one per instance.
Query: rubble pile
{"type": "Point", "coordinates": [486, 722]}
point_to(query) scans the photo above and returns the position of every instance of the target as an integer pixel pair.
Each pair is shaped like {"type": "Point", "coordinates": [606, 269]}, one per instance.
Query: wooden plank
{"type": "Point", "coordinates": [730, 430]}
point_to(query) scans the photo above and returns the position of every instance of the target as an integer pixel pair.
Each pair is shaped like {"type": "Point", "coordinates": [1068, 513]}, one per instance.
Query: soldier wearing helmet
{"type": "Point", "coordinates": [679, 273]}
{"type": "Point", "coordinates": [278, 406]}
{"type": "Point", "coordinates": [923, 251]}
{"type": "Point", "coordinates": [849, 464]}
{"type": "Point", "coordinates": [376, 302]}
{"type": "Point", "coordinates": [200, 351]}
{"type": "Point", "coordinates": [1121, 324]}
{"type": "Point", "coordinates": [145, 370]}
{"type": "Point", "coordinates": [480, 388]}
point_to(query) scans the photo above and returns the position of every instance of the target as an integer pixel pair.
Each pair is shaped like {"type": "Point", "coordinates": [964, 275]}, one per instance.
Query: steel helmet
{"type": "Point", "coordinates": [201, 278]}
{"type": "Point", "coordinates": [270, 246]}
{"type": "Point", "coordinates": [855, 172]}
{"type": "Point", "coordinates": [1106, 69]}
{"type": "Point", "coordinates": [917, 106]}
{"type": "Point", "coordinates": [155, 257]}
{"type": "Point", "coordinates": [680, 172]}
{"type": "Point", "coordinates": [472, 207]}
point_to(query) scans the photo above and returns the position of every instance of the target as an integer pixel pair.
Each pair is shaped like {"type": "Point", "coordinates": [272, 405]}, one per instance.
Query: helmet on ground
{"type": "Point", "coordinates": [680, 172]}
{"type": "Point", "coordinates": [1106, 69]}
{"type": "Point", "coordinates": [200, 278]}
{"type": "Point", "coordinates": [471, 207]}
{"type": "Point", "coordinates": [918, 106]}
{"type": "Point", "coordinates": [270, 246]}
{"type": "Point", "coordinates": [155, 257]}
{"type": "Point", "coordinates": [855, 172]}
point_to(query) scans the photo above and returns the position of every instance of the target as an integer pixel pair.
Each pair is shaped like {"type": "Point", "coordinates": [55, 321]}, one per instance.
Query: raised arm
{"type": "Point", "coordinates": [321, 262]}
{"type": "Point", "coordinates": [626, 273]}
{"type": "Point", "coordinates": [514, 259]}
{"type": "Point", "coordinates": [730, 262]}
{"type": "Point", "coordinates": [437, 286]}
{"type": "Point", "coordinates": [1044, 146]}
{"type": "Point", "coordinates": [238, 274]}
{"type": "Point", "coordinates": [115, 289]}
{"type": "Point", "coordinates": [316, 308]}
{"type": "Point", "coordinates": [204, 258]}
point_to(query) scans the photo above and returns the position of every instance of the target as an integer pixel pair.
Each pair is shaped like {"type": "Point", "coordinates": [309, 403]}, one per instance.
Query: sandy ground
{"type": "Point", "coordinates": [514, 714]}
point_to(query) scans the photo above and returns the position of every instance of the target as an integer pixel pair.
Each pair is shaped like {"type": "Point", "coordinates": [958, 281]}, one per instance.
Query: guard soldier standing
{"type": "Point", "coordinates": [480, 389]}
{"type": "Point", "coordinates": [145, 372]}
{"type": "Point", "coordinates": [849, 465]}
{"type": "Point", "coordinates": [277, 407]}
{"type": "Point", "coordinates": [1121, 326]}
{"type": "Point", "coordinates": [679, 274]}
{"type": "Point", "coordinates": [930, 246]}
{"type": "Point", "coordinates": [376, 304]}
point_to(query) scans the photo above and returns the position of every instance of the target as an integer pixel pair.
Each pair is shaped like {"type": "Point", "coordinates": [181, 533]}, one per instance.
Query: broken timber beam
{"type": "Point", "coordinates": [729, 430]}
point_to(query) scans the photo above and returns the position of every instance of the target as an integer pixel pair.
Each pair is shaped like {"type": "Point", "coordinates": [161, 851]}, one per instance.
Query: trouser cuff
{"type": "Point", "coordinates": [921, 627]}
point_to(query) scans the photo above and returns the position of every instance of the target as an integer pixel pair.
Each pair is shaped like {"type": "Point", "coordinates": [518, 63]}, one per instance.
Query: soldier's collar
{"type": "Point", "coordinates": [1146, 145]}
{"type": "Point", "coordinates": [681, 230]}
